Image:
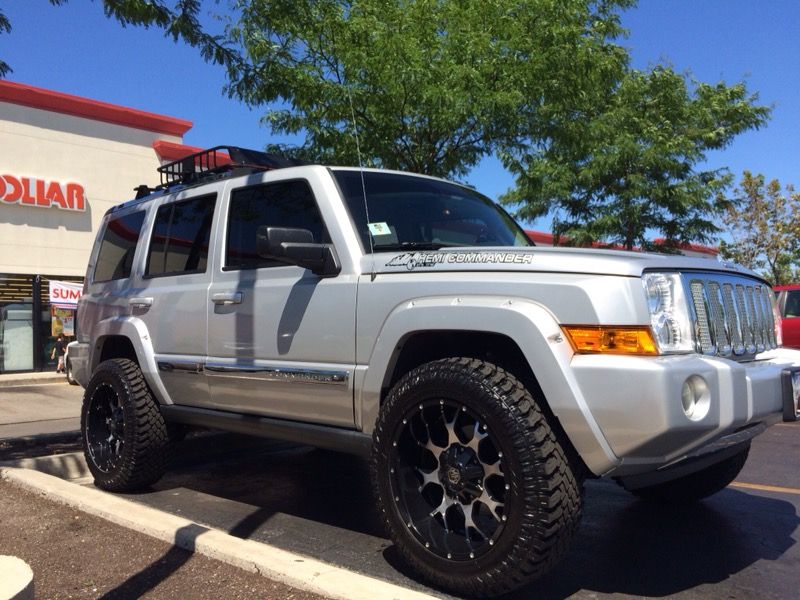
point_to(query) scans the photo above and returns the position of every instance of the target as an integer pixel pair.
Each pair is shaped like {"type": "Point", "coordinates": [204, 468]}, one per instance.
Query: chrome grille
{"type": "Point", "coordinates": [732, 315]}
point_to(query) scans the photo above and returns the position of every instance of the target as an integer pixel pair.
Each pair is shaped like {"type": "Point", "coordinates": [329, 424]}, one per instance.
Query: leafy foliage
{"type": "Point", "coordinates": [428, 86]}
{"type": "Point", "coordinates": [617, 168]}
{"type": "Point", "coordinates": [433, 86]}
{"type": "Point", "coordinates": [763, 221]}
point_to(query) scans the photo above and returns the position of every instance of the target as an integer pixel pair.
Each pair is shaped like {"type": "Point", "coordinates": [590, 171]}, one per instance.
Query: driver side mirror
{"type": "Point", "coordinates": [294, 246]}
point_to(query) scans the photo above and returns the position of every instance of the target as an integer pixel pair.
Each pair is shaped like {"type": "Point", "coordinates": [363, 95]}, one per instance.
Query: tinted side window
{"type": "Point", "coordinates": [285, 204]}
{"type": "Point", "coordinates": [792, 306]}
{"type": "Point", "coordinates": [181, 233]}
{"type": "Point", "coordinates": [115, 258]}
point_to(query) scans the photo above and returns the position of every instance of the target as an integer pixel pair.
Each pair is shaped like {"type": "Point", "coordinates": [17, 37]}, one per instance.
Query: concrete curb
{"type": "Point", "coordinates": [291, 569]}
{"type": "Point", "coordinates": [26, 379]}
{"type": "Point", "coordinates": [64, 466]}
{"type": "Point", "coordinates": [16, 579]}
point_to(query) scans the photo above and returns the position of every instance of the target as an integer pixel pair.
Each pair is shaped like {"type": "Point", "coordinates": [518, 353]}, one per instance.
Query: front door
{"type": "Point", "coordinates": [281, 341]}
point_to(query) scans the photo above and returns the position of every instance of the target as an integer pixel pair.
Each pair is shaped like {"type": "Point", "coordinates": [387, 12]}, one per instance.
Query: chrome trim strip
{"type": "Point", "coordinates": [272, 373]}
{"type": "Point", "coordinates": [190, 367]}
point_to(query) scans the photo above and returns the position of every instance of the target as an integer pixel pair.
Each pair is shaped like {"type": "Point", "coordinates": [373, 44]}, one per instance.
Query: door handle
{"type": "Point", "coordinates": [227, 298]}
{"type": "Point", "coordinates": [140, 302]}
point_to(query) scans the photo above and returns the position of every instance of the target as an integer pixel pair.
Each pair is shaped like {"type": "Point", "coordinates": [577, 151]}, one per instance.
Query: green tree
{"type": "Point", "coordinates": [433, 86]}
{"type": "Point", "coordinates": [430, 86]}
{"type": "Point", "coordinates": [620, 168]}
{"type": "Point", "coordinates": [763, 221]}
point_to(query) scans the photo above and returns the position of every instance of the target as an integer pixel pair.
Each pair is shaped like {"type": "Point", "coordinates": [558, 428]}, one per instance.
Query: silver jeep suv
{"type": "Point", "coordinates": [410, 320]}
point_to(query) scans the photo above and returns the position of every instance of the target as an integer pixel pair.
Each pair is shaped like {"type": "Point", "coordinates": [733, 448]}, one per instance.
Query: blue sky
{"type": "Point", "coordinates": [76, 50]}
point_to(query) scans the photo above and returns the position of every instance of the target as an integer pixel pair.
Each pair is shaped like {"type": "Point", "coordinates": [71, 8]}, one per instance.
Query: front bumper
{"type": "Point", "coordinates": [637, 402]}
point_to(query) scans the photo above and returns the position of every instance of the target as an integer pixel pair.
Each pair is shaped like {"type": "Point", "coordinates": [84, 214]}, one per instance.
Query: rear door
{"type": "Point", "coordinates": [171, 295]}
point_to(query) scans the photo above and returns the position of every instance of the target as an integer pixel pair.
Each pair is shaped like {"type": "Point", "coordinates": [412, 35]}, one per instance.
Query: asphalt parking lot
{"type": "Point", "coordinates": [740, 543]}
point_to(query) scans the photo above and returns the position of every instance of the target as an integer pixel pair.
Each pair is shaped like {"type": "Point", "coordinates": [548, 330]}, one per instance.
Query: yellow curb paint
{"type": "Point", "coordinates": [765, 488]}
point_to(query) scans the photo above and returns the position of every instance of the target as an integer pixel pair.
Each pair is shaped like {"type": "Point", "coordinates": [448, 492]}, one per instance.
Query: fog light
{"type": "Point", "coordinates": [695, 397]}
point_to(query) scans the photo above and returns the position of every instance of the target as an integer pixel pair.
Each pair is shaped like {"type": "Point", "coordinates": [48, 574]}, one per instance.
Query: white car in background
{"type": "Point", "coordinates": [68, 365]}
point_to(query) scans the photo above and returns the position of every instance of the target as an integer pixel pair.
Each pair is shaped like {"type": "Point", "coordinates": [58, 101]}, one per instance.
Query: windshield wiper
{"type": "Point", "coordinates": [414, 246]}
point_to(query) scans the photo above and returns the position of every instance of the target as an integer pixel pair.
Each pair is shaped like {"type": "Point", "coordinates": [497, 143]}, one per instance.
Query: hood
{"type": "Point", "coordinates": [541, 259]}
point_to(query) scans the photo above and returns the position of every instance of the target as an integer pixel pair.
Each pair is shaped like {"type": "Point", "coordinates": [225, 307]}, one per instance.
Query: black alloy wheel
{"type": "Point", "coordinates": [125, 438]}
{"type": "Point", "coordinates": [473, 484]}
{"type": "Point", "coordinates": [447, 477]}
{"type": "Point", "coordinates": [105, 428]}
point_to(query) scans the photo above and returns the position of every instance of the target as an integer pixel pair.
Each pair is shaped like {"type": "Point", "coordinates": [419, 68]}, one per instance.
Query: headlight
{"type": "Point", "coordinates": [669, 312]}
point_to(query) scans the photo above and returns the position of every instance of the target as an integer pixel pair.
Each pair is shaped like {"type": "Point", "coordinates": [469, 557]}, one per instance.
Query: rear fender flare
{"type": "Point", "coordinates": [136, 332]}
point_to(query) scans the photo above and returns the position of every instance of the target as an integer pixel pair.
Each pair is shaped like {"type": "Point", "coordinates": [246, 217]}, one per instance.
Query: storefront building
{"type": "Point", "coordinates": [64, 161]}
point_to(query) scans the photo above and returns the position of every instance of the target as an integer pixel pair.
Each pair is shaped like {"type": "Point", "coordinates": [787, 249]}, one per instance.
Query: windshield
{"type": "Point", "coordinates": [406, 211]}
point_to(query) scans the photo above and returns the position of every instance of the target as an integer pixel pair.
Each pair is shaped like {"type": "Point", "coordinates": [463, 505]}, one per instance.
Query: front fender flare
{"type": "Point", "coordinates": [532, 327]}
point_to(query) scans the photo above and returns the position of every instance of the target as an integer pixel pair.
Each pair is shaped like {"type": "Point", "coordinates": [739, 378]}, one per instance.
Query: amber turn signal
{"type": "Point", "coordinates": [595, 339]}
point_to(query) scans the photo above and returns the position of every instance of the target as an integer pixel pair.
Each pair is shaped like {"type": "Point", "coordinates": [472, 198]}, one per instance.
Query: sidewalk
{"type": "Point", "coordinates": [15, 379]}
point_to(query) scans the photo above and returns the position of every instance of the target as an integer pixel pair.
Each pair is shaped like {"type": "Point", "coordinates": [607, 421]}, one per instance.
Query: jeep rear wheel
{"type": "Point", "coordinates": [472, 482]}
{"type": "Point", "coordinates": [124, 435]}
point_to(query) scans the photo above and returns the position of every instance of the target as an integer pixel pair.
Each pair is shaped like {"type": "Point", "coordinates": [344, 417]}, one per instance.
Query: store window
{"type": "Point", "coordinates": [29, 323]}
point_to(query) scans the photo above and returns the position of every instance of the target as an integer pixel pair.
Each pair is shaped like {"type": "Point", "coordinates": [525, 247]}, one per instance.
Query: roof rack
{"type": "Point", "coordinates": [212, 163]}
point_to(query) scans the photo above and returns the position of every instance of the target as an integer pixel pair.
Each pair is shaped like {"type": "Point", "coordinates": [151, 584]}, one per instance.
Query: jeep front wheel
{"type": "Point", "coordinates": [473, 484]}
{"type": "Point", "coordinates": [124, 435]}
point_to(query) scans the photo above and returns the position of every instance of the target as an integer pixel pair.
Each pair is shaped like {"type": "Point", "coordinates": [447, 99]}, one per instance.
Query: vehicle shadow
{"type": "Point", "coordinates": [629, 546]}
{"type": "Point", "coordinates": [319, 503]}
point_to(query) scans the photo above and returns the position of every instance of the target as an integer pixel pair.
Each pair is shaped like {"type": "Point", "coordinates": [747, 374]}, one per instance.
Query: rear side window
{"type": "Point", "coordinates": [115, 258]}
{"type": "Point", "coordinates": [181, 233]}
{"type": "Point", "coordinates": [284, 204]}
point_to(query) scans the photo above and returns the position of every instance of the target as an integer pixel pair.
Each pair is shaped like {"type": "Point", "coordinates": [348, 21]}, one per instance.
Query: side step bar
{"type": "Point", "coordinates": [321, 436]}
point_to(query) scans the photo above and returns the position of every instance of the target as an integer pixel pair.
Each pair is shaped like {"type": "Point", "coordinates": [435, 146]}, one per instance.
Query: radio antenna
{"type": "Point", "coordinates": [363, 185]}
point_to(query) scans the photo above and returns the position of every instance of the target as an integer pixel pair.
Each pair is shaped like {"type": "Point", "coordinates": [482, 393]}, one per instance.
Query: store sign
{"type": "Point", "coordinates": [29, 191]}
{"type": "Point", "coordinates": [65, 294]}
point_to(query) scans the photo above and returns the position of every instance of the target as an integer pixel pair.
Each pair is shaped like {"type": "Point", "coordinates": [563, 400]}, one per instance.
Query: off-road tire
{"type": "Point", "coordinates": [118, 406]}
{"type": "Point", "coordinates": [535, 496]}
{"type": "Point", "coordinates": [696, 486]}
